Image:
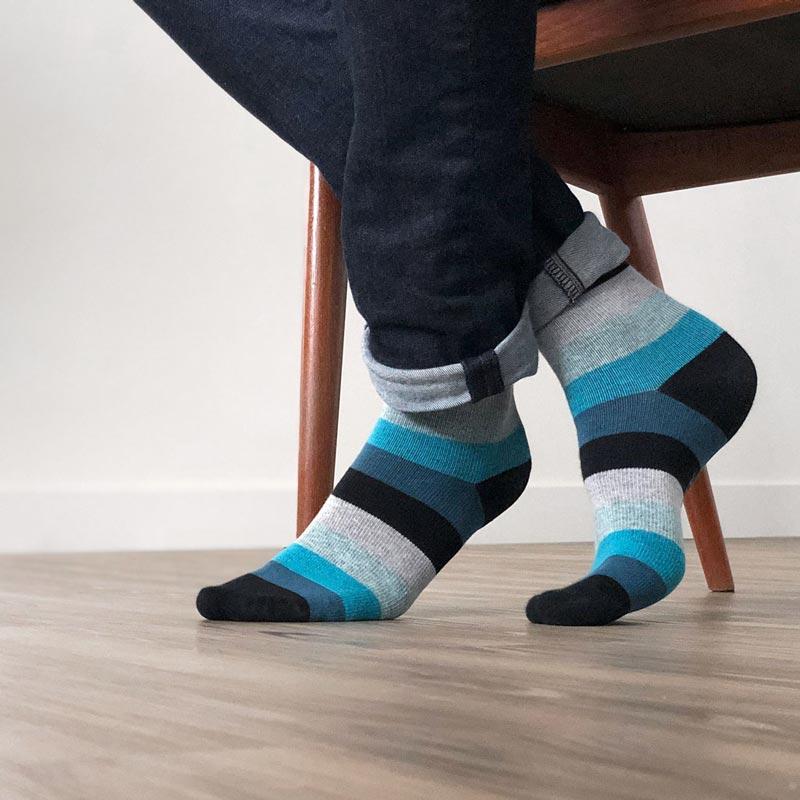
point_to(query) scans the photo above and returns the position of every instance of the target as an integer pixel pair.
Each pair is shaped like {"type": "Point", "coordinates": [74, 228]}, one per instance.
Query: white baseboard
{"type": "Point", "coordinates": [203, 516]}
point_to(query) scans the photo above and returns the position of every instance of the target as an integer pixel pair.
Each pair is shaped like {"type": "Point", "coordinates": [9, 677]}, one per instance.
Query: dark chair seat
{"type": "Point", "coordinates": [741, 75]}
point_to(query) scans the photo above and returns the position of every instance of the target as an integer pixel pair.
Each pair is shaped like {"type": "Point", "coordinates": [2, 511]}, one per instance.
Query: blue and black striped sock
{"type": "Point", "coordinates": [656, 389]}
{"type": "Point", "coordinates": [421, 486]}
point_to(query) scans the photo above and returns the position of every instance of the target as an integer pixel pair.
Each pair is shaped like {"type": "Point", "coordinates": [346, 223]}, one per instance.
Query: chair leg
{"type": "Point", "coordinates": [321, 357]}
{"type": "Point", "coordinates": [625, 215]}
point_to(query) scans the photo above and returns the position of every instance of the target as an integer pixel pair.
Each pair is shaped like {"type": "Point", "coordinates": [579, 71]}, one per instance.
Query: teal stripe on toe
{"type": "Point", "coordinates": [359, 602]}
{"type": "Point", "coordinates": [664, 556]}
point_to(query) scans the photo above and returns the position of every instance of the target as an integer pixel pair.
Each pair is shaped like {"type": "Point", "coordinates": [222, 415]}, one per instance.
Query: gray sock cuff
{"type": "Point", "coordinates": [469, 381]}
{"type": "Point", "coordinates": [588, 254]}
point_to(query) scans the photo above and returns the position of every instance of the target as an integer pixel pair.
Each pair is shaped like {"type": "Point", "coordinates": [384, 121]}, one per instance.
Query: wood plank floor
{"type": "Point", "coordinates": [112, 687]}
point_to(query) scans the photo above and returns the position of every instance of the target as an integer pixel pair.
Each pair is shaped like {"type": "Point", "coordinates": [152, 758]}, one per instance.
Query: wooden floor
{"type": "Point", "coordinates": [112, 687]}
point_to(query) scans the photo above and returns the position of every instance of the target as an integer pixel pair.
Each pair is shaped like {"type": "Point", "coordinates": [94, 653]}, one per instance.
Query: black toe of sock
{"type": "Point", "coordinates": [595, 600]}
{"type": "Point", "coordinates": [251, 599]}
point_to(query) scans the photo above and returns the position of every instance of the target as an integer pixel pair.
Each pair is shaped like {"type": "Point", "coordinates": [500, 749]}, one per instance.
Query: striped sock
{"type": "Point", "coordinates": [655, 389]}
{"type": "Point", "coordinates": [422, 485]}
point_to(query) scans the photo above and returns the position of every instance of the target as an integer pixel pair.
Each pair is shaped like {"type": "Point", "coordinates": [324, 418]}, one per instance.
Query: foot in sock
{"type": "Point", "coordinates": [422, 485]}
{"type": "Point", "coordinates": [655, 389]}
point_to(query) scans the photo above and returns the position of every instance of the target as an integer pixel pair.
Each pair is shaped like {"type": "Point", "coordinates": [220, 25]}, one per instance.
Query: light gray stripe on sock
{"type": "Point", "coordinates": [399, 555]}
{"type": "Point", "coordinates": [647, 515]}
{"type": "Point", "coordinates": [467, 423]}
{"type": "Point", "coordinates": [611, 299]}
{"type": "Point", "coordinates": [343, 552]}
{"type": "Point", "coordinates": [634, 484]}
{"type": "Point", "coordinates": [618, 337]}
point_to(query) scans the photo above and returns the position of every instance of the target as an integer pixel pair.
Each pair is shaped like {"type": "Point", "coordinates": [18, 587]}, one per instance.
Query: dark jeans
{"type": "Point", "coordinates": [418, 114]}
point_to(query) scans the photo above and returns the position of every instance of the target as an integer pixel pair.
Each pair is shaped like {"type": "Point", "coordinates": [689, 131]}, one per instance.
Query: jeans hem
{"type": "Point", "coordinates": [469, 381]}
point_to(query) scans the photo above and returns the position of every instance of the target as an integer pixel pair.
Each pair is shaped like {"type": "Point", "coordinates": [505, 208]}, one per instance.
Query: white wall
{"type": "Point", "coordinates": [151, 238]}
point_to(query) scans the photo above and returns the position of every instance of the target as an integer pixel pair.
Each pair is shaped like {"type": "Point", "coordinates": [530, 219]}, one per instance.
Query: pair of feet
{"type": "Point", "coordinates": [655, 389]}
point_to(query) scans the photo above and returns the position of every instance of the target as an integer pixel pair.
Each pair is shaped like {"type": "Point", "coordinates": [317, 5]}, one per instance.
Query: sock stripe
{"type": "Point", "coordinates": [359, 602]}
{"type": "Point", "coordinates": [634, 484]}
{"type": "Point", "coordinates": [657, 517]}
{"type": "Point", "coordinates": [498, 492]}
{"type": "Point", "coordinates": [432, 488]}
{"type": "Point", "coordinates": [652, 412]}
{"type": "Point", "coordinates": [615, 298]}
{"type": "Point", "coordinates": [469, 461]}
{"type": "Point", "coordinates": [723, 402]}
{"type": "Point", "coordinates": [380, 540]}
{"type": "Point", "coordinates": [419, 523]}
{"type": "Point", "coordinates": [661, 554]}
{"type": "Point", "coordinates": [324, 605]}
{"type": "Point", "coordinates": [646, 450]}
{"type": "Point", "coordinates": [647, 322]}
{"type": "Point", "coordinates": [643, 585]}
{"type": "Point", "coordinates": [645, 369]}
{"type": "Point", "coordinates": [465, 423]}
{"type": "Point", "coordinates": [344, 553]}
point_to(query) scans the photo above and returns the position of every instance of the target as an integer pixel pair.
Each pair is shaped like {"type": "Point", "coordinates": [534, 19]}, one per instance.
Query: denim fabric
{"type": "Point", "coordinates": [417, 114]}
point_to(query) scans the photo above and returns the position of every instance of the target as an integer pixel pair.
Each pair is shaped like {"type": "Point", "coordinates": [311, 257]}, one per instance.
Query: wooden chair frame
{"type": "Point", "coordinates": [621, 167]}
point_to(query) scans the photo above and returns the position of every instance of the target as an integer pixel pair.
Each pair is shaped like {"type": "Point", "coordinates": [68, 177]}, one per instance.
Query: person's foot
{"type": "Point", "coordinates": [422, 485]}
{"type": "Point", "coordinates": [655, 389]}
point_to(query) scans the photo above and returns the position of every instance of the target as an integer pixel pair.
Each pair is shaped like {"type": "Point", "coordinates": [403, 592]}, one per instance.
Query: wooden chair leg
{"type": "Point", "coordinates": [321, 357]}
{"type": "Point", "coordinates": [625, 215]}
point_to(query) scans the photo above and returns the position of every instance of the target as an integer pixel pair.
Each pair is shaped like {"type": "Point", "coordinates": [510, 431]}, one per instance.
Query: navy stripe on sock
{"type": "Point", "coordinates": [322, 602]}
{"type": "Point", "coordinates": [433, 488]}
{"type": "Point", "coordinates": [644, 450]}
{"type": "Point", "coordinates": [420, 524]}
{"type": "Point", "coordinates": [642, 583]}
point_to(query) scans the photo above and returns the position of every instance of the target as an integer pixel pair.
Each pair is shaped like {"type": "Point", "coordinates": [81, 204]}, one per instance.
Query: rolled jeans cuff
{"type": "Point", "coordinates": [585, 256]}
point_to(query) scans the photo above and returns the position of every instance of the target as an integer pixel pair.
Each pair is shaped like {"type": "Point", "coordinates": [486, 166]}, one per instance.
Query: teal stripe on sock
{"type": "Point", "coordinates": [359, 601]}
{"type": "Point", "coordinates": [341, 551]}
{"type": "Point", "coordinates": [645, 369]}
{"type": "Point", "coordinates": [659, 553]}
{"type": "Point", "coordinates": [456, 500]}
{"type": "Point", "coordinates": [652, 412]}
{"type": "Point", "coordinates": [467, 461]}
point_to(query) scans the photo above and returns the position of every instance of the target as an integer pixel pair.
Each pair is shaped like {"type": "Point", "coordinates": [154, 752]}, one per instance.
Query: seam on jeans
{"type": "Point", "coordinates": [483, 375]}
{"type": "Point", "coordinates": [566, 280]}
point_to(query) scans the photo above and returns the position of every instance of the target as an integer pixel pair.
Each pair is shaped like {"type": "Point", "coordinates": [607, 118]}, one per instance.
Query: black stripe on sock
{"type": "Point", "coordinates": [499, 492]}
{"type": "Point", "coordinates": [419, 523]}
{"type": "Point", "coordinates": [643, 450]}
{"type": "Point", "coordinates": [483, 376]}
{"type": "Point", "coordinates": [720, 383]}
